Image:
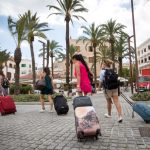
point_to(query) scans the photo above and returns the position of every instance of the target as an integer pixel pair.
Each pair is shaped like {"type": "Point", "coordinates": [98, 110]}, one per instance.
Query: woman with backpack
{"type": "Point", "coordinates": [82, 73]}
{"type": "Point", "coordinates": [48, 89]}
{"type": "Point", "coordinates": [109, 82]}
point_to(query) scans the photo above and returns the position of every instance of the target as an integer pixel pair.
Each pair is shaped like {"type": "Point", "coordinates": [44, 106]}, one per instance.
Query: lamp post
{"type": "Point", "coordinates": [43, 53]}
{"type": "Point", "coordinates": [136, 61]}
{"type": "Point", "coordinates": [131, 74]}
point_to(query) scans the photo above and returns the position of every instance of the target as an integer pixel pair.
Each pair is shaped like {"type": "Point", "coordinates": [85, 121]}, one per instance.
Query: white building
{"type": "Point", "coordinates": [9, 69]}
{"type": "Point", "coordinates": [143, 55]}
{"type": "Point", "coordinates": [25, 68]}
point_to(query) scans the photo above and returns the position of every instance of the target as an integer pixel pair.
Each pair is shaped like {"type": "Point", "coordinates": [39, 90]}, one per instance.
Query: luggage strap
{"type": "Point", "coordinates": [128, 101]}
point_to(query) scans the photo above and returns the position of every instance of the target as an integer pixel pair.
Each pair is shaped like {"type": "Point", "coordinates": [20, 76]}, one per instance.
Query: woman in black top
{"type": "Point", "coordinates": [48, 90]}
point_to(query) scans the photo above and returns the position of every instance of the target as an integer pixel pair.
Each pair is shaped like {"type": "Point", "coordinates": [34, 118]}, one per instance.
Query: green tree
{"type": "Point", "coordinates": [17, 30]}
{"type": "Point", "coordinates": [103, 53]}
{"type": "Point", "coordinates": [112, 31]}
{"type": "Point", "coordinates": [55, 50]}
{"type": "Point", "coordinates": [121, 48]}
{"type": "Point", "coordinates": [34, 29]}
{"type": "Point", "coordinates": [4, 56]}
{"type": "Point", "coordinates": [69, 9]}
{"type": "Point", "coordinates": [93, 36]}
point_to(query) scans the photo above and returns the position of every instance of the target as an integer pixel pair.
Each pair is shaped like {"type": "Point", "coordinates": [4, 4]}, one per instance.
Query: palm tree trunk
{"type": "Point", "coordinates": [95, 74]}
{"type": "Point", "coordinates": [120, 66]}
{"type": "Point", "coordinates": [33, 64]}
{"type": "Point", "coordinates": [113, 55]}
{"type": "Point", "coordinates": [67, 53]}
{"type": "Point", "coordinates": [17, 59]}
{"type": "Point", "coordinates": [71, 71]}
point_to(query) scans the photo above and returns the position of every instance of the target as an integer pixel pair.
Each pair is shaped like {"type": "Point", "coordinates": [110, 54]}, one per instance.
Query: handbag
{"type": "Point", "coordinates": [40, 84]}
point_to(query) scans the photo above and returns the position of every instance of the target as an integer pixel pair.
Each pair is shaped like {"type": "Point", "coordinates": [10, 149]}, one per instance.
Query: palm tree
{"type": "Point", "coordinates": [17, 30]}
{"type": "Point", "coordinates": [103, 53]}
{"type": "Point", "coordinates": [112, 31]}
{"type": "Point", "coordinates": [121, 47]}
{"type": "Point", "coordinates": [72, 51]}
{"type": "Point", "coordinates": [34, 29]}
{"type": "Point", "coordinates": [4, 56]}
{"type": "Point", "coordinates": [93, 36]}
{"type": "Point", "coordinates": [55, 50]}
{"type": "Point", "coordinates": [69, 9]}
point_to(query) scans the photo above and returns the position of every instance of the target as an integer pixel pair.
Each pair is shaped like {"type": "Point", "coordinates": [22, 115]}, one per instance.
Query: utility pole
{"type": "Point", "coordinates": [136, 61]}
{"type": "Point", "coordinates": [47, 53]}
{"type": "Point", "coordinates": [131, 74]}
{"type": "Point", "coordinates": [43, 53]}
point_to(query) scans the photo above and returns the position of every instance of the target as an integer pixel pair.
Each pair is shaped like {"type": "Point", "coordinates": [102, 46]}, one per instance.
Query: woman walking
{"type": "Point", "coordinates": [82, 73]}
{"type": "Point", "coordinates": [48, 90]}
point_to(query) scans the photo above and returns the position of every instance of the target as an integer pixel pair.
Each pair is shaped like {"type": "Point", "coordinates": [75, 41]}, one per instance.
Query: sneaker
{"type": "Point", "coordinates": [51, 110]}
{"type": "Point", "coordinates": [120, 119]}
{"type": "Point", "coordinates": [42, 110]}
{"type": "Point", "coordinates": [107, 116]}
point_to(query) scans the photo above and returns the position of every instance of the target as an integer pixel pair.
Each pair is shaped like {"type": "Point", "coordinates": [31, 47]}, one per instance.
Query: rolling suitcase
{"type": "Point", "coordinates": [141, 109]}
{"type": "Point", "coordinates": [7, 105]}
{"type": "Point", "coordinates": [86, 121]}
{"type": "Point", "coordinates": [60, 104]}
{"type": "Point", "coordinates": [80, 101]}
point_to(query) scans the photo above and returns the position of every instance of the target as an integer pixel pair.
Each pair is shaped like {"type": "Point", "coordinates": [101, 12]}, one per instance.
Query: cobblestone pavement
{"type": "Point", "coordinates": [30, 130]}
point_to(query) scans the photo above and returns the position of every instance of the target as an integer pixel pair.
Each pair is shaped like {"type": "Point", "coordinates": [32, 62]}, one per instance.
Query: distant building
{"type": "Point", "coordinates": [143, 55]}
{"type": "Point", "coordinates": [87, 51]}
{"type": "Point", "coordinates": [25, 68]}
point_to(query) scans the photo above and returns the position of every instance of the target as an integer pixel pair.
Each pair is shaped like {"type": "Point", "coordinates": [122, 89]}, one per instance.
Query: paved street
{"type": "Point", "coordinates": [30, 130]}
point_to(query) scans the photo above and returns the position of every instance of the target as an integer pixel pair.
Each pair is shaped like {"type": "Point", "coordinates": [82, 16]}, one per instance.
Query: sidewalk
{"type": "Point", "coordinates": [30, 130]}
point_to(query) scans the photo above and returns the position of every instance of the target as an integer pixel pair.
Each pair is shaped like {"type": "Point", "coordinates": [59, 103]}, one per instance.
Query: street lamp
{"type": "Point", "coordinates": [43, 53]}
{"type": "Point", "coordinates": [136, 61]}
{"type": "Point", "coordinates": [131, 74]}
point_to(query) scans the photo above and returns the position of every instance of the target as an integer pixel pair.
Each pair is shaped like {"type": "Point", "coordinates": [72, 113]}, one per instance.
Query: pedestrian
{"type": "Point", "coordinates": [48, 89]}
{"type": "Point", "coordinates": [1, 81]}
{"type": "Point", "coordinates": [110, 94]}
{"type": "Point", "coordinates": [5, 85]}
{"type": "Point", "coordinates": [81, 72]}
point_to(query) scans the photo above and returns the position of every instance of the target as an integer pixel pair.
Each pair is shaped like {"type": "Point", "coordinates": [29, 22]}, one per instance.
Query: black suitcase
{"type": "Point", "coordinates": [141, 109]}
{"type": "Point", "coordinates": [60, 104]}
{"type": "Point", "coordinates": [81, 101]}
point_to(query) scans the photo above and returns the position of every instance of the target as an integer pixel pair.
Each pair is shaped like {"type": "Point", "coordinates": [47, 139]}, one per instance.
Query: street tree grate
{"type": "Point", "coordinates": [144, 131]}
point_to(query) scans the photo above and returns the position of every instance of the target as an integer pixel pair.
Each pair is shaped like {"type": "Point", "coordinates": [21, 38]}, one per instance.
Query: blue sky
{"type": "Point", "coordinates": [99, 12]}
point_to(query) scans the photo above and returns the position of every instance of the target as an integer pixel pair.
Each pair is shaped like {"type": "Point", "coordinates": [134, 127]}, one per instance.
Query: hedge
{"type": "Point", "coordinates": [27, 98]}
{"type": "Point", "coordinates": [32, 97]}
{"type": "Point", "coordinates": [143, 96]}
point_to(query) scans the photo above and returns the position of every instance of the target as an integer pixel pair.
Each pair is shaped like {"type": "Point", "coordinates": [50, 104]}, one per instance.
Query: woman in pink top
{"type": "Point", "coordinates": [82, 74]}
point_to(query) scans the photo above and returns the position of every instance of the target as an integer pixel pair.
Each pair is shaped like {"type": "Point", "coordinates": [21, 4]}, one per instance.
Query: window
{"type": "Point", "coordinates": [149, 47]}
{"type": "Point", "coordinates": [90, 49]}
{"type": "Point", "coordinates": [29, 66]}
{"type": "Point", "coordinates": [142, 61]}
{"type": "Point", "coordinates": [23, 65]}
{"type": "Point", "coordinates": [149, 58]}
{"type": "Point", "coordinates": [145, 59]}
{"type": "Point", "coordinates": [10, 65]}
{"type": "Point", "coordinates": [144, 49]}
{"type": "Point", "coordinates": [23, 72]}
{"type": "Point", "coordinates": [91, 60]}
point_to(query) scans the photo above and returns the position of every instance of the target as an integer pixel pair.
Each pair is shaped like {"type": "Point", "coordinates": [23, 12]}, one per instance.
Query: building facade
{"type": "Point", "coordinates": [25, 68]}
{"type": "Point", "coordinates": [143, 56]}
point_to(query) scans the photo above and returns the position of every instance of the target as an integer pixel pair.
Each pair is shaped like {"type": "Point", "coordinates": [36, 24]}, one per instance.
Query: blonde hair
{"type": "Point", "coordinates": [108, 62]}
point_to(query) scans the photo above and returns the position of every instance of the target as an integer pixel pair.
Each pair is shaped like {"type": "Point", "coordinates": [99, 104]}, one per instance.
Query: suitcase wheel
{"type": "Point", "coordinates": [147, 121]}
